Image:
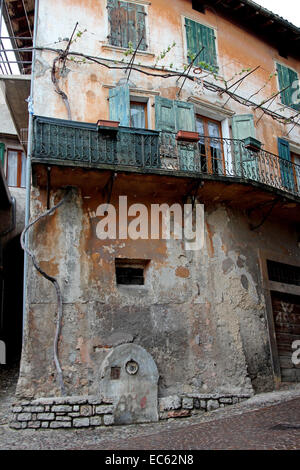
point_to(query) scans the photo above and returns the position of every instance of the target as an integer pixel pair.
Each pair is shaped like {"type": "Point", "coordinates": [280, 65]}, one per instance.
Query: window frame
{"type": "Point", "coordinates": [144, 104]}
{"type": "Point", "coordinates": [19, 167]}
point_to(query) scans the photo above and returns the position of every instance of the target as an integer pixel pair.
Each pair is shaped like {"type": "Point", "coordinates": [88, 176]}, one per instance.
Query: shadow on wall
{"type": "Point", "coordinates": [12, 300]}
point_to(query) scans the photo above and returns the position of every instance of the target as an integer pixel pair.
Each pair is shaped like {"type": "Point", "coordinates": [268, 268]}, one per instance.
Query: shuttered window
{"type": "Point", "coordinates": [173, 116]}
{"type": "Point", "coordinates": [127, 24]}
{"type": "Point", "coordinates": [199, 36]}
{"type": "Point", "coordinates": [287, 78]}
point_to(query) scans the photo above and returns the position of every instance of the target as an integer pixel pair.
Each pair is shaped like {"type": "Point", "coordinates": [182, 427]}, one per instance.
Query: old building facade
{"type": "Point", "coordinates": [163, 103]}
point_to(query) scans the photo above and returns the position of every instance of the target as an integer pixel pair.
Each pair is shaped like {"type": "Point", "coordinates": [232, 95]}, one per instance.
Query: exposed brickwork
{"type": "Point", "coordinates": [66, 412]}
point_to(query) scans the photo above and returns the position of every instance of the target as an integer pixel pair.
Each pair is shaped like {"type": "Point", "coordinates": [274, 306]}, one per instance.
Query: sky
{"type": "Point", "coordinates": [288, 9]}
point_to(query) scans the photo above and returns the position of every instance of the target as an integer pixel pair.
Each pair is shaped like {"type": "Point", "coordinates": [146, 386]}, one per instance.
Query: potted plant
{"type": "Point", "coordinates": [108, 124]}
{"type": "Point", "coordinates": [187, 136]}
{"type": "Point", "coordinates": [252, 144]}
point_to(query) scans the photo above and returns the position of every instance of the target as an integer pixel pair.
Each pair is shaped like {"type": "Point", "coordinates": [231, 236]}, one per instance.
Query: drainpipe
{"type": "Point", "coordinates": [28, 161]}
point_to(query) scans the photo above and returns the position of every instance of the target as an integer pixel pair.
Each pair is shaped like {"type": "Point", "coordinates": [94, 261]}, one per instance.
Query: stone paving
{"type": "Point", "coordinates": [269, 421]}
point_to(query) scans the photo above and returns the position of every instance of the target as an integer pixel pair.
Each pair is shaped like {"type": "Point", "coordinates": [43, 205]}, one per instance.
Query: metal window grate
{"type": "Point", "coordinates": [284, 273]}
{"type": "Point", "coordinates": [130, 271]}
{"type": "Point", "coordinates": [130, 276]}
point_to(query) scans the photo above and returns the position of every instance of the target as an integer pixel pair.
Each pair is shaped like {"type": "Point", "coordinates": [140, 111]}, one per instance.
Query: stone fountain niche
{"type": "Point", "coordinates": [129, 375]}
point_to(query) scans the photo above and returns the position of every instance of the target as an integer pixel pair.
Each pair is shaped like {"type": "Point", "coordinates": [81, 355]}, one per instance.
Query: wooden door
{"type": "Point", "coordinates": [286, 312]}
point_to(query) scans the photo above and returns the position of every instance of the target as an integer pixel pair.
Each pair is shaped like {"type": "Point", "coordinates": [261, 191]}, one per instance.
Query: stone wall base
{"type": "Point", "coordinates": [176, 406]}
{"type": "Point", "coordinates": [63, 412]}
{"type": "Point", "coordinates": [89, 411]}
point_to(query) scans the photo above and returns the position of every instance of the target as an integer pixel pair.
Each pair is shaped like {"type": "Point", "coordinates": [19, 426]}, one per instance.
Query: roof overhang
{"type": "Point", "coordinates": [16, 90]}
{"type": "Point", "coordinates": [270, 27]}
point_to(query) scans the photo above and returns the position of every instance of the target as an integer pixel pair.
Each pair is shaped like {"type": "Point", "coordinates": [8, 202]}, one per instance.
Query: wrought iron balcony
{"type": "Point", "coordinates": [87, 145]}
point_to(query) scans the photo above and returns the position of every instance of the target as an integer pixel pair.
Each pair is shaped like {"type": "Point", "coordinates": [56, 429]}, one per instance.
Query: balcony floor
{"type": "Point", "coordinates": [247, 196]}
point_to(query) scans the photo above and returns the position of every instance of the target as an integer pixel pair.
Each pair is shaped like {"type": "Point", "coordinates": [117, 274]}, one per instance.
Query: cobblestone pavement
{"type": "Point", "coordinates": [8, 381]}
{"type": "Point", "coordinates": [269, 421]}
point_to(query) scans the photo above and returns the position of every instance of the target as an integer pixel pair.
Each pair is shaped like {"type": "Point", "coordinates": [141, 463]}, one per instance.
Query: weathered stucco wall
{"type": "Point", "coordinates": [201, 315]}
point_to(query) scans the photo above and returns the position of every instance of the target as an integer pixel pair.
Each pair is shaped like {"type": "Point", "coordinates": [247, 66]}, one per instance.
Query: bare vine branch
{"type": "Point", "coordinates": [141, 69]}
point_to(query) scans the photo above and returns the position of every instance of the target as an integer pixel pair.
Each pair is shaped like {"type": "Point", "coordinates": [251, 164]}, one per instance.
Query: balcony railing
{"type": "Point", "coordinates": [84, 144]}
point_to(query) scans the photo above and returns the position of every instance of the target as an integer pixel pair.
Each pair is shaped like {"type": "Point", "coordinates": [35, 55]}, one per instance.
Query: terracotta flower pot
{"type": "Point", "coordinates": [106, 123]}
{"type": "Point", "coordinates": [187, 136]}
{"type": "Point", "coordinates": [252, 144]}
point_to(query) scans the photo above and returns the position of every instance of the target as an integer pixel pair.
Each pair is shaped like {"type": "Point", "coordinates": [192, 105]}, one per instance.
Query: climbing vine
{"type": "Point", "coordinates": [197, 71]}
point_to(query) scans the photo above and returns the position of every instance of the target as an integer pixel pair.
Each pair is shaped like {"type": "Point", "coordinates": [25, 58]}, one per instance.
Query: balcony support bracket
{"type": "Point", "coordinates": [265, 216]}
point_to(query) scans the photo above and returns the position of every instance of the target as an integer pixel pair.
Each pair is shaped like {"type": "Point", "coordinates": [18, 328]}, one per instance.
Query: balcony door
{"type": "Point", "coordinates": [210, 146]}
{"type": "Point", "coordinates": [246, 161]}
{"type": "Point", "coordinates": [138, 115]}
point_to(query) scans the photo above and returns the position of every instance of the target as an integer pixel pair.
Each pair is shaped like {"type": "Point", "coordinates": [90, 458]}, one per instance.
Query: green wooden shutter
{"type": "Point", "coordinates": [2, 150]}
{"type": "Point", "coordinates": [119, 105]}
{"type": "Point", "coordinates": [198, 36]}
{"type": "Point", "coordinates": [140, 27]}
{"type": "Point", "coordinates": [127, 24]}
{"type": "Point", "coordinates": [185, 116]}
{"type": "Point", "coordinates": [243, 126]}
{"type": "Point", "coordinates": [173, 116]}
{"type": "Point", "coordinates": [165, 122]}
{"type": "Point", "coordinates": [185, 120]}
{"type": "Point", "coordinates": [245, 161]}
{"type": "Point", "coordinates": [286, 170]}
{"type": "Point", "coordinates": [114, 18]}
{"type": "Point", "coordinates": [164, 114]}
{"type": "Point", "coordinates": [287, 77]}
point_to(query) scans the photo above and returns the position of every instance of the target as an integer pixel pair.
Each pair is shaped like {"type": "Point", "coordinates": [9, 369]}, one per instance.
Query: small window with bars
{"type": "Point", "coordinates": [130, 272]}
{"type": "Point", "coordinates": [283, 273]}
{"type": "Point", "coordinates": [127, 24]}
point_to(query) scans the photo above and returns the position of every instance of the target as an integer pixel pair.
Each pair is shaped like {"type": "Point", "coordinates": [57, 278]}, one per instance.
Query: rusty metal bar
{"type": "Point", "coordinates": [29, 27]}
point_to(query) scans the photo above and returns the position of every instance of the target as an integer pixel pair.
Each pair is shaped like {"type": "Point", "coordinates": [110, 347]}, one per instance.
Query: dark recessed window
{"type": "Point", "coordinates": [198, 6]}
{"type": "Point", "coordinates": [115, 373]}
{"type": "Point", "coordinates": [130, 272]}
{"type": "Point", "coordinates": [284, 273]}
{"type": "Point", "coordinates": [283, 53]}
